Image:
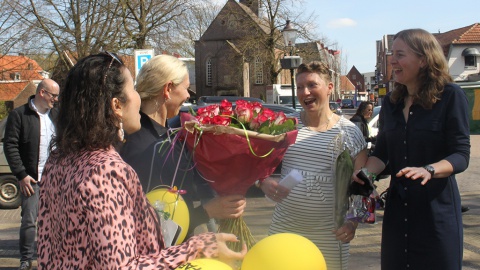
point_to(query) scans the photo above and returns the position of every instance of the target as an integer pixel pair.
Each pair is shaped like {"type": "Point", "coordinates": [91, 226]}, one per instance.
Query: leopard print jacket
{"type": "Point", "coordinates": [93, 214]}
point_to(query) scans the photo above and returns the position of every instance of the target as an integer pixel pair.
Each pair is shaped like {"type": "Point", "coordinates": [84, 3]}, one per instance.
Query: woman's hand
{"type": "Point", "coordinates": [273, 190]}
{"type": "Point", "coordinates": [415, 173]}
{"type": "Point", "coordinates": [225, 254]}
{"type": "Point", "coordinates": [346, 233]}
{"type": "Point", "coordinates": [229, 206]}
{"type": "Point", "coordinates": [355, 177]}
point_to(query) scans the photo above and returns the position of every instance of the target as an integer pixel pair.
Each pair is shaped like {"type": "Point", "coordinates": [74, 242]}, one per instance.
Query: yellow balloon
{"type": "Point", "coordinates": [175, 205]}
{"type": "Point", "coordinates": [205, 264]}
{"type": "Point", "coordinates": [284, 251]}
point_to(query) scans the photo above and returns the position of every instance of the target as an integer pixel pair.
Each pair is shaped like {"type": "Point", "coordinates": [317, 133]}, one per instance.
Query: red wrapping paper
{"type": "Point", "coordinates": [226, 161]}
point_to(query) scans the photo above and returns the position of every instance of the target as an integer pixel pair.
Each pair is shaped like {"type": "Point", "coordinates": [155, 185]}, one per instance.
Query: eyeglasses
{"type": "Point", "coordinates": [114, 58]}
{"type": "Point", "coordinates": [54, 96]}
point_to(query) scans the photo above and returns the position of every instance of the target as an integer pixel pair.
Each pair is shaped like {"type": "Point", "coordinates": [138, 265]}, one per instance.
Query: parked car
{"type": "Point", "coordinates": [347, 103]}
{"type": "Point", "coordinates": [336, 108]}
{"type": "Point", "coordinates": [9, 188]}
{"type": "Point", "coordinates": [205, 100]}
{"type": "Point", "coordinates": [373, 122]}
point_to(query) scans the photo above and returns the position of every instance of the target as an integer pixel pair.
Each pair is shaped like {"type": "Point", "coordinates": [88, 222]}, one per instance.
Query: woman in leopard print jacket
{"type": "Point", "coordinates": [93, 213]}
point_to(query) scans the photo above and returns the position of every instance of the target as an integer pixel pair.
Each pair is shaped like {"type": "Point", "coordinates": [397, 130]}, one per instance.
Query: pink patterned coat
{"type": "Point", "coordinates": [93, 214]}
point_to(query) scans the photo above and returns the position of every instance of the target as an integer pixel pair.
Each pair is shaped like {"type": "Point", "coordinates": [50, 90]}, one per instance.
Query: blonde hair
{"type": "Point", "coordinates": [157, 72]}
{"type": "Point", "coordinates": [434, 76]}
{"type": "Point", "coordinates": [316, 67]}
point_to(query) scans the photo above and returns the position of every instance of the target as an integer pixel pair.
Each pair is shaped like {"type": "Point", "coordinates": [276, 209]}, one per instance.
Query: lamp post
{"type": "Point", "coordinates": [291, 61]}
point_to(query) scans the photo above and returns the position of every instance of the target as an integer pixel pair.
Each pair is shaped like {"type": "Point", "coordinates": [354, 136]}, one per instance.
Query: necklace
{"type": "Point", "coordinates": [319, 127]}
{"type": "Point", "coordinates": [328, 120]}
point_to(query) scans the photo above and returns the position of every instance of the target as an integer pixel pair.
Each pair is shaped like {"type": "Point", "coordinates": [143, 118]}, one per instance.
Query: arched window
{"type": "Point", "coordinates": [258, 70]}
{"type": "Point", "coordinates": [208, 66]}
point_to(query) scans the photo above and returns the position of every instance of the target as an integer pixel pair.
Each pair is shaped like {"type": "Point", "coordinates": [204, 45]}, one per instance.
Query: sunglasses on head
{"type": "Point", "coordinates": [114, 58]}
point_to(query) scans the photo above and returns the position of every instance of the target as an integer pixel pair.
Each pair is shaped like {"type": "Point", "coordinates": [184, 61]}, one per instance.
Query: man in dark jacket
{"type": "Point", "coordinates": [27, 138]}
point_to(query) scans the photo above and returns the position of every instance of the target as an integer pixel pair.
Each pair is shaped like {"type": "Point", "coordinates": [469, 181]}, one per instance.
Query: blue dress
{"type": "Point", "coordinates": [422, 226]}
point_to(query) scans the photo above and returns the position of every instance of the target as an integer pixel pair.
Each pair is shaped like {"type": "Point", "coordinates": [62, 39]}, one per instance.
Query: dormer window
{"type": "Point", "coordinates": [470, 55]}
{"type": "Point", "coordinates": [15, 76]}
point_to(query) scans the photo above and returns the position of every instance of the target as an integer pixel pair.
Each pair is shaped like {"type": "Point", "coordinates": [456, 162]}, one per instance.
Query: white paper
{"type": "Point", "coordinates": [172, 230]}
{"type": "Point", "coordinates": [291, 179]}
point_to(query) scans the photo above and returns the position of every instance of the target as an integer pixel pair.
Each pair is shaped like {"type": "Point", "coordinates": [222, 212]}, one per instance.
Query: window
{"type": "Point", "coordinates": [209, 72]}
{"type": "Point", "coordinates": [470, 61]}
{"type": "Point", "coordinates": [258, 70]}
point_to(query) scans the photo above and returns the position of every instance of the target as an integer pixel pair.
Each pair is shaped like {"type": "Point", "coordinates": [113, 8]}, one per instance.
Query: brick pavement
{"type": "Point", "coordinates": [365, 248]}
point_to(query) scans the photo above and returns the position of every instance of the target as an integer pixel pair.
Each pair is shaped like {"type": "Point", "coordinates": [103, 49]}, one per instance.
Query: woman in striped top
{"type": "Point", "coordinates": [308, 209]}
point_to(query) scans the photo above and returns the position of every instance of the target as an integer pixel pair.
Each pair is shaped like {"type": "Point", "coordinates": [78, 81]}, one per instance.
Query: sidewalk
{"type": "Point", "coordinates": [365, 248]}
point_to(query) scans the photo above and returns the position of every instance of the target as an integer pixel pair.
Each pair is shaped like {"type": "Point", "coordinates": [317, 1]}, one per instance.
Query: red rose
{"type": "Point", "coordinates": [226, 108]}
{"type": "Point", "coordinates": [210, 110]}
{"type": "Point", "coordinates": [257, 106]}
{"type": "Point", "coordinates": [204, 119]}
{"type": "Point", "coordinates": [280, 118]}
{"type": "Point", "coordinates": [244, 111]}
{"type": "Point", "coordinates": [220, 120]}
{"type": "Point", "coordinates": [254, 125]}
{"type": "Point", "coordinates": [268, 114]}
{"type": "Point", "coordinates": [261, 118]}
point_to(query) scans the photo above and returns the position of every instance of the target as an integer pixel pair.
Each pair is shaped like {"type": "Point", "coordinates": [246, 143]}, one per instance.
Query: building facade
{"type": "Point", "coordinates": [239, 54]}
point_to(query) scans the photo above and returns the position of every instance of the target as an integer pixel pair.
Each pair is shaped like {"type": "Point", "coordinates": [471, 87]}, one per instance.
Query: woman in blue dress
{"type": "Point", "coordinates": [424, 138]}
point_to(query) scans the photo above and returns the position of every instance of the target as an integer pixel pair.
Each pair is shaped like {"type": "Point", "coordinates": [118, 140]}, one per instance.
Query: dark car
{"type": "Point", "coordinates": [206, 100]}
{"type": "Point", "coordinates": [347, 103]}
{"type": "Point", "coordinates": [335, 108]}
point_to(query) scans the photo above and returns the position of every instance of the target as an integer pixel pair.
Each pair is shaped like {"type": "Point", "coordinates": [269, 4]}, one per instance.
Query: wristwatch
{"type": "Point", "coordinates": [430, 169]}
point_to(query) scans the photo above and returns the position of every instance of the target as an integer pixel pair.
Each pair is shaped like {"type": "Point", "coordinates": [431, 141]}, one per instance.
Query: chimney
{"type": "Point", "coordinates": [254, 5]}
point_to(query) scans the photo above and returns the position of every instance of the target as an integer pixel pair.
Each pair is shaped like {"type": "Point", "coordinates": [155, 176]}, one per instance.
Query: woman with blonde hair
{"type": "Point", "coordinates": [163, 84]}
{"type": "Point", "coordinates": [424, 138]}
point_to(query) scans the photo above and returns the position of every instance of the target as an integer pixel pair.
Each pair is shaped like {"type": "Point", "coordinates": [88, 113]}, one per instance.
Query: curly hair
{"type": "Point", "coordinates": [86, 119]}
{"type": "Point", "coordinates": [316, 67]}
{"type": "Point", "coordinates": [433, 77]}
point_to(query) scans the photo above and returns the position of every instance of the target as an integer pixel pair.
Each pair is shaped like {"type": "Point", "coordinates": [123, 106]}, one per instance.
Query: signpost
{"type": "Point", "coordinates": [141, 57]}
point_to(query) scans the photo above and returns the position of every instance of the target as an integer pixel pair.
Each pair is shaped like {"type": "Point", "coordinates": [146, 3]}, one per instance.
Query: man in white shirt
{"type": "Point", "coordinates": [28, 133]}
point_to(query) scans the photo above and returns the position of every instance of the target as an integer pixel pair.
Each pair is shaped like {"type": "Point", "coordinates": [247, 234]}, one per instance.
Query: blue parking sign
{"type": "Point", "coordinates": [141, 57]}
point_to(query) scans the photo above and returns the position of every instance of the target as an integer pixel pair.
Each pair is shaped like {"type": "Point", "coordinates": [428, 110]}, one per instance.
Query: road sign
{"type": "Point", "coordinates": [141, 57]}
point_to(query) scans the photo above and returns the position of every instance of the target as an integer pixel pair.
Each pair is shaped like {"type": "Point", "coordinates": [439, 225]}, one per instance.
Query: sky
{"type": "Point", "coordinates": [355, 25]}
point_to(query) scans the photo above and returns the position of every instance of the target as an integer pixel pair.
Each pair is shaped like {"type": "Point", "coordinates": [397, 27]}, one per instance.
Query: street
{"type": "Point", "coordinates": [365, 248]}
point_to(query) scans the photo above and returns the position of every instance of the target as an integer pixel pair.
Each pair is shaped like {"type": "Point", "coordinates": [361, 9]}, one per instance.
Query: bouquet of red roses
{"type": "Point", "coordinates": [234, 147]}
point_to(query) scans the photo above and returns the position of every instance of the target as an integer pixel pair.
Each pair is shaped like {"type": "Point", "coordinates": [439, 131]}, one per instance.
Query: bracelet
{"type": "Point", "coordinates": [370, 175]}
{"type": "Point", "coordinates": [259, 182]}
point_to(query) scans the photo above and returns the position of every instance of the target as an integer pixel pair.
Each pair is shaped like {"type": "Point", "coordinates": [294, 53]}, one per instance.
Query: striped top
{"type": "Point", "coordinates": [309, 208]}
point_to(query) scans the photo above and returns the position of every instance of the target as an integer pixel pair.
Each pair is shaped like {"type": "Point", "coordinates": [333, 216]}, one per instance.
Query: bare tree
{"type": "Point", "coordinates": [67, 30]}
{"type": "Point", "coordinates": [13, 34]}
{"type": "Point", "coordinates": [180, 36]}
{"type": "Point", "coordinates": [145, 18]}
